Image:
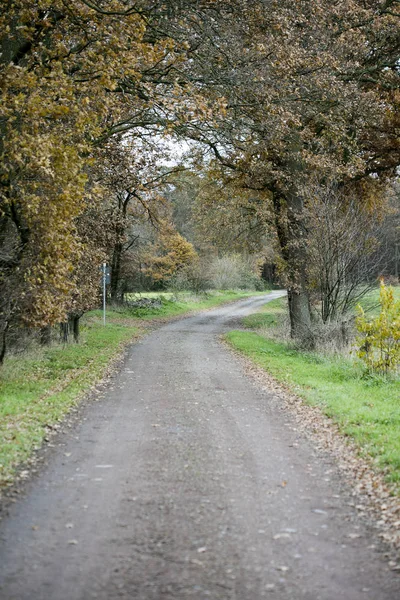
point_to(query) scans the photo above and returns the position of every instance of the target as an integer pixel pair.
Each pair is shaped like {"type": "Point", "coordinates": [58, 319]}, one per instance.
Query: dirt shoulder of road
{"type": "Point", "coordinates": [372, 496]}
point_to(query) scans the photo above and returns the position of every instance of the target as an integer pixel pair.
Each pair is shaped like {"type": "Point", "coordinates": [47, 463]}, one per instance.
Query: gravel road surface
{"type": "Point", "coordinates": [187, 481]}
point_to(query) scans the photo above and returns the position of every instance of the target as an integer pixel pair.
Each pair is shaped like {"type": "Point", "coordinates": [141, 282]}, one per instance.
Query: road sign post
{"type": "Point", "coordinates": [105, 280]}
{"type": "Point", "coordinates": [104, 291]}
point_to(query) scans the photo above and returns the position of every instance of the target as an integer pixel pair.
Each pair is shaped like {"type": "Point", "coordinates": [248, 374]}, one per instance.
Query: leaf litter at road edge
{"type": "Point", "coordinates": [373, 497]}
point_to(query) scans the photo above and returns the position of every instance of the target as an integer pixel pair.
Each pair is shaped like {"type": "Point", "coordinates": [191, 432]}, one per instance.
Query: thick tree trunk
{"type": "Point", "coordinates": [300, 318]}
{"type": "Point", "coordinates": [74, 325]}
{"type": "Point", "coordinates": [3, 343]}
{"type": "Point", "coordinates": [292, 240]}
{"type": "Point", "coordinates": [119, 248]}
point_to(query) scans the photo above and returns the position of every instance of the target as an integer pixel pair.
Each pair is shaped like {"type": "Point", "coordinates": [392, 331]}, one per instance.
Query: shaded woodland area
{"type": "Point", "coordinates": [288, 115]}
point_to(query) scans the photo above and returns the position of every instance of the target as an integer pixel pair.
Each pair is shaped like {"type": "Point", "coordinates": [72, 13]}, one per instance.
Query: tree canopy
{"type": "Point", "coordinates": [278, 94]}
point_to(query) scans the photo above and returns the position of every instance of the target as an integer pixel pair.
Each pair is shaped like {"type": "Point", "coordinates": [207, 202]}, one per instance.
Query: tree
{"type": "Point", "coordinates": [71, 76]}
{"type": "Point", "coordinates": [58, 66]}
{"type": "Point", "coordinates": [297, 106]}
{"type": "Point", "coordinates": [231, 218]}
{"type": "Point", "coordinates": [170, 255]}
{"type": "Point", "coordinates": [275, 90]}
{"type": "Point", "coordinates": [345, 239]}
{"type": "Point", "coordinates": [379, 339]}
{"type": "Point", "coordinates": [134, 175]}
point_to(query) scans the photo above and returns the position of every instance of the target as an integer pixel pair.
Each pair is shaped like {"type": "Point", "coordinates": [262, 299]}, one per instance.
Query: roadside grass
{"type": "Point", "coordinates": [270, 315]}
{"type": "Point", "coordinates": [367, 409]}
{"type": "Point", "coordinates": [40, 386]}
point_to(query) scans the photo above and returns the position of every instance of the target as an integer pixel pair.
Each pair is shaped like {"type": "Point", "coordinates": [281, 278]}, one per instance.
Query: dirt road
{"type": "Point", "coordinates": [184, 482]}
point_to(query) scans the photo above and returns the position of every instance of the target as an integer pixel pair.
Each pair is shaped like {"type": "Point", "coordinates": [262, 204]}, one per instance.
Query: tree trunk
{"type": "Point", "coordinates": [45, 335]}
{"type": "Point", "coordinates": [300, 318]}
{"type": "Point", "coordinates": [291, 234]}
{"type": "Point", "coordinates": [64, 330]}
{"type": "Point", "coordinates": [3, 343]}
{"type": "Point", "coordinates": [119, 247]}
{"type": "Point", "coordinates": [74, 324]}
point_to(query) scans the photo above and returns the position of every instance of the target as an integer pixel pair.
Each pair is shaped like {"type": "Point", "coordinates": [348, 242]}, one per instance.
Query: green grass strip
{"type": "Point", "coordinates": [39, 388]}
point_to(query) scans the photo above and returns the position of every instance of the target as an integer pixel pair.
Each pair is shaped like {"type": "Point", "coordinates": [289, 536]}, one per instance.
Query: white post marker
{"type": "Point", "coordinates": [104, 292]}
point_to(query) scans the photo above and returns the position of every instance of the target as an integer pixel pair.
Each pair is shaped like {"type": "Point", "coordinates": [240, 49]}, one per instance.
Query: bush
{"type": "Point", "coordinates": [228, 272]}
{"type": "Point", "coordinates": [379, 342]}
{"type": "Point", "coordinates": [234, 271]}
{"type": "Point", "coordinates": [194, 277]}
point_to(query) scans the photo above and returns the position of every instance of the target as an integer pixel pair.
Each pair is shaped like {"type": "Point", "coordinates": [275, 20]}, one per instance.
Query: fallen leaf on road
{"type": "Point", "coordinates": [194, 561]}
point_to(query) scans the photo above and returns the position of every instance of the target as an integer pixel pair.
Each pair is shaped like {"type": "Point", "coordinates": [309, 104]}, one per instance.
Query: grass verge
{"type": "Point", "coordinates": [366, 409]}
{"type": "Point", "coordinates": [39, 387]}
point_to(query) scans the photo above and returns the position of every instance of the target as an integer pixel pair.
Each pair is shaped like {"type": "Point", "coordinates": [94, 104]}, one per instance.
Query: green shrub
{"type": "Point", "coordinates": [379, 339]}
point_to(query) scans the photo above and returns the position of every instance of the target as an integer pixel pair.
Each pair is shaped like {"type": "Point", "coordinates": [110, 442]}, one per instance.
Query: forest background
{"type": "Point", "coordinates": [289, 113]}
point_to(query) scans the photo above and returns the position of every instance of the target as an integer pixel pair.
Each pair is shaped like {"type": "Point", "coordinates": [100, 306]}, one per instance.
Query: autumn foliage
{"type": "Point", "coordinates": [71, 77]}
{"type": "Point", "coordinates": [273, 94]}
{"type": "Point", "coordinates": [171, 255]}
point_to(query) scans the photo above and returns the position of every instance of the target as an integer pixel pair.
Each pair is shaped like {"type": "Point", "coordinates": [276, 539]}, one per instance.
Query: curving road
{"type": "Point", "coordinates": [186, 481]}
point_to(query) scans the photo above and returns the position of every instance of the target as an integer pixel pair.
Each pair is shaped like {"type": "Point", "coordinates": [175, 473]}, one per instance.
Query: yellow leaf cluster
{"type": "Point", "coordinates": [379, 339]}
{"type": "Point", "coordinates": [174, 254]}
